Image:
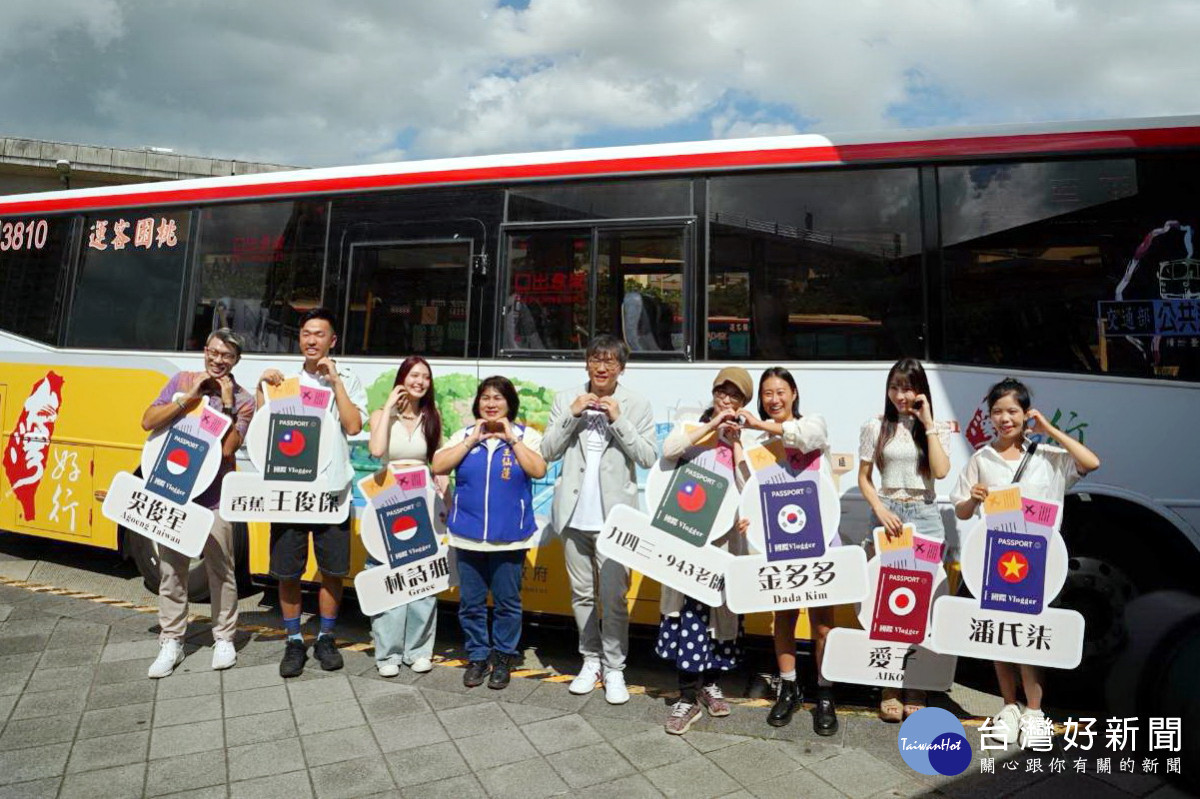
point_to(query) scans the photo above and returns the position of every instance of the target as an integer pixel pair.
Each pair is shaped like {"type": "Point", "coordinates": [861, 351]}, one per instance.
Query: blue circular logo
{"type": "Point", "coordinates": [932, 741]}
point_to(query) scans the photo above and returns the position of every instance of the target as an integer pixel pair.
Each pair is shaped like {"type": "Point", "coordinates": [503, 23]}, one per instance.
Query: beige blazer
{"type": "Point", "coordinates": [632, 444]}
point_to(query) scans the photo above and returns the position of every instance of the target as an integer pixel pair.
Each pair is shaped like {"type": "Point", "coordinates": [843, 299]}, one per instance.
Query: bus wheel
{"type": "Point", "coordinates": [145, 554]}
{"type": "Point", "coordinates": [1119, 551]}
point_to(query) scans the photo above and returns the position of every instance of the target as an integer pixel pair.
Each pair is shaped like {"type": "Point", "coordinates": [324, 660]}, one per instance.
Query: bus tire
{"type": "Point", "coordinates": [1118, 552]}
{"type": "Point", "coordinates": [144, 553]}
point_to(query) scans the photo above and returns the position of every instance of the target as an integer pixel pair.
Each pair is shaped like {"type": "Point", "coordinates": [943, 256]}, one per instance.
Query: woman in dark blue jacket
{"type": "Point", "coordinates": [495, 461]}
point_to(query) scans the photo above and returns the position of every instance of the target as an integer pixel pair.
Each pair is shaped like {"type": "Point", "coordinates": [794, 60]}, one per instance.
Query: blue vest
{"type": "Point", "coordinates": [493, 497]}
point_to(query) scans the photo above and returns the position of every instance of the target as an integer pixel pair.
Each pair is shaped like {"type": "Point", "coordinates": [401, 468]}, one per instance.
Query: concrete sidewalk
{"type": "Point", "coordinates": [80, 719]}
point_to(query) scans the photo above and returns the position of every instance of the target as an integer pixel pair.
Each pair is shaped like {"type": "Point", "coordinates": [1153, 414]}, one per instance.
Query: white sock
{"type": "Point", "coordinates": [788, 675]}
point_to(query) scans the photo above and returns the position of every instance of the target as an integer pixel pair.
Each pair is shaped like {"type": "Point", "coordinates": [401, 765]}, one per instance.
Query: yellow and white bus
{"type": "Point", "coordinates": [1061, 254]}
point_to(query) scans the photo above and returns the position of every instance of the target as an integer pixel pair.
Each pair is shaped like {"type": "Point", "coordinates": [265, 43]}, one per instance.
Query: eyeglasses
{"type": "Point", "coordinates": [220, 357]}
{"type": "Point", "coordinates": [598, 360]}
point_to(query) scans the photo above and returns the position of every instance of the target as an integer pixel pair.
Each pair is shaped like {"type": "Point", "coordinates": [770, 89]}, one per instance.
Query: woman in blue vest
{"type": "Point", "coordinates": [495, 461]}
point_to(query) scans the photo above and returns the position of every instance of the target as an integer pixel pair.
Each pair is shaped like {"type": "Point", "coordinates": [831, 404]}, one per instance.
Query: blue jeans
{"type": "Point", "coordinates": [923, 516]}
{"type": "Point", "coordinates": [405, 634]}
{"type": "Point", "coordinates": [501, 573]}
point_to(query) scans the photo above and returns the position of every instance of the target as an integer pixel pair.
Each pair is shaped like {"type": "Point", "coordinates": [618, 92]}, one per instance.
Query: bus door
{"type": "Point", "coordinates": [411, 295]}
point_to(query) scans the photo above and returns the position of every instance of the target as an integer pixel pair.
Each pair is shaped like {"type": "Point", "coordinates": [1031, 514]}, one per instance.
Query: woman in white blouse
{"type": "Point", "coordinates": [779, 409]}
{"type": "Point", "coordinates": [408, 429]}
{"type": "Point", "coordinates": [1048, 471]}
{"type": "Point", "coordinates": [911, 451]}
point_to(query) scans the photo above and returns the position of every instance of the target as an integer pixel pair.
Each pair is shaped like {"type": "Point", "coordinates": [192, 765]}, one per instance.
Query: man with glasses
{"type": "Point", "coordinates": [602, 433]}
{"type": "Point", "coordinates": [184, 392]}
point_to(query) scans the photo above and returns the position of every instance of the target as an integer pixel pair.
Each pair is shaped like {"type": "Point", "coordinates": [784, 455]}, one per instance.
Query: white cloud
{"type": "Point", "coordinates": [338, 83]}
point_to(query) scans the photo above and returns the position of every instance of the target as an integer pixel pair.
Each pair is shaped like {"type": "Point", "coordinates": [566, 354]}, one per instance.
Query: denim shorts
{"type": "Point", "coordinates": [922, 515]}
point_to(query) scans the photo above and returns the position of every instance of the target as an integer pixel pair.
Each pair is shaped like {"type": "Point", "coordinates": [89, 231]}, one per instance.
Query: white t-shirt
{"type": "Point", "coordinates": [899, 477]}
{"type": "Point", "coordinates": [340, 471]}
{"type": "Point", "coordinates": [1051, 471]}
{"type": "Point", "coordinates": [589, 509]}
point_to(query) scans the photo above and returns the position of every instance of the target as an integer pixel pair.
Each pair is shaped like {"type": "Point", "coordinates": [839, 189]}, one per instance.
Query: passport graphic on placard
{"type": "Point", "coordinates": [292, 452]}
{"type": "Point", "coordinates": [407, 531]}
{"type": "Point", "coordinates": [690, 504]}
{"type": "Point", "coordinates": [174, 474]}
{"type": "Point", "coordinates": [1014, 577]}
{"type": "Point", "coordinates": [792, 520]}
{"type": "Point", "coordinates": [901, 605]}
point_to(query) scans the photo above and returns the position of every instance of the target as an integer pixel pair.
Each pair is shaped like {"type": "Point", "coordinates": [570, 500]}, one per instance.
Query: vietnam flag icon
{"type": "Point", "coordinates": [1013, 567]}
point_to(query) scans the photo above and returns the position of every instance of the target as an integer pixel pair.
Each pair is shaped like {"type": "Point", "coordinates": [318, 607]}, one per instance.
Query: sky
{"type": "Point", "coordinates": [322, 83]}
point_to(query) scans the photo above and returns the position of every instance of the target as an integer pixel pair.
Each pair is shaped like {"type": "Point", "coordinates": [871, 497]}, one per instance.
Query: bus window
{"type": "Point", "coordinates": [639, 287]}
{"type": "Point", "coordinates": [640, 199]}
{"type": "Point", "coordinates": [549, 275]}
{"type": "Point", "coordinates": [127, 295]}
{"type": "Point", "coordinates": [815, 266]}
{"type": "Point", "coordinates": [1074, 266]}
{"type": "Point", "coordinates": [409, 296]}
{"type": "Point", "coordinates": [33, 253]}
{"type": "Point", "coordinates": [258, 269]}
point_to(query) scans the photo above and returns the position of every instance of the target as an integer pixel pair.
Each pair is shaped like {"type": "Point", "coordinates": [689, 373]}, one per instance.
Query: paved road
{"type": "Point", "coordinates": [81, 719]}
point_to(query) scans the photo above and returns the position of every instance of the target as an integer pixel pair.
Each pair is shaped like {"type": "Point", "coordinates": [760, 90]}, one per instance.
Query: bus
{"type": "Point", "coordinates": [1060, 254]}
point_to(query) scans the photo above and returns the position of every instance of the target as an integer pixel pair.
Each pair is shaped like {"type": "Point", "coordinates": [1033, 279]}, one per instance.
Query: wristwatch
{"type": "Point", "coordinates": [229, 411]}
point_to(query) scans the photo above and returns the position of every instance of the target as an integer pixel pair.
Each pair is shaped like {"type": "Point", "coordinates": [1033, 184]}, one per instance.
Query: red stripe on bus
{"type": "Point", "coordinates": [1033, 144]}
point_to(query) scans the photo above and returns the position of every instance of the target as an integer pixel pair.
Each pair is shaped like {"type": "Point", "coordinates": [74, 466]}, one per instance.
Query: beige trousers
{"type": "Point", "coordinates": [222, 585]}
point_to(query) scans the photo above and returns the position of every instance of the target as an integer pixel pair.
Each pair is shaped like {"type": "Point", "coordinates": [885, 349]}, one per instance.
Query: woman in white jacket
{"type": "Point", "coordinates": [779, 409]}
{"type": "Point", "coordinates": [700, 640]}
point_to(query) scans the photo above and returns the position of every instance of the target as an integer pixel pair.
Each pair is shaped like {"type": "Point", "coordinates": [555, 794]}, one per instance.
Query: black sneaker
{"type": "Point", "coordinates": [476, 671]}
{"type": "Point", "coordinates": [825, 720]}
{"type": "Point", "coordinates": [295, 655]}
{"type": "Point", "coordinates": [327, 653]}
{"type": "Point", "coordinates": [501, 671]}
{"type": "Point", "coordinates": [789, 701]}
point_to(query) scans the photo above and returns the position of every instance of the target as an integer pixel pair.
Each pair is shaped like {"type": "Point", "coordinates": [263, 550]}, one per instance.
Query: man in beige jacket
{"type": "Point", "coordinates": [601, 433]}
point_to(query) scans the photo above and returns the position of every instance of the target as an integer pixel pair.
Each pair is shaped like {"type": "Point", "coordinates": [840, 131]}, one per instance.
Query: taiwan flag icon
{"type": "Point", "coordinates": [292, 452]}
{"type": "Point", "coordinates": [1014, 576]}
{"type": "Point", "coordinates": [407, 531]}
{"type": "Point", "coordinates": [174, 474]}
{"type": "Point", "coordinates": [690, 504]}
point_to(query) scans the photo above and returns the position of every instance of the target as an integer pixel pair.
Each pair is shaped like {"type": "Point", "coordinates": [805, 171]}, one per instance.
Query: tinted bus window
{"type": "Point", "coordinates": [33, 253]}
{"type": "Point", "coordinates": [1080, 266]}
{"type": "Point", "coordinates": [618, 200]}
{"type": "Point", "coordinates": [815, 266]}
{"type": "Point", "coordinates": [130, 280]}
{"type": "Point", "coordinates": [638, 279]}
{"type": "Point", "coordinates": [259, 268]}
{"type": "Point", "coordinates": [406, 270]}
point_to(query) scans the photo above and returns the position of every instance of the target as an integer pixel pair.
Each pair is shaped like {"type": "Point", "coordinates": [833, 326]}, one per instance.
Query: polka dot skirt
{"type": "Point", "coordinates": [685, 641]}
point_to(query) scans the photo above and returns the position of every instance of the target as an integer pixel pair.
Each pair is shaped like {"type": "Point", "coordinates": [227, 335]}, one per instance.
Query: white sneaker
{"type": "Point", "coordinates": [170, 655]}
{"type": "Point", "coordinates": [585, 683]}
{"type": "Point", "coordinates": [1007, 722]}
{"type": "Point", "coordinates": [615, 692]}
{"type": "Point", "coordinates": [388, 669]}
{"type": "Point", "coordinates": [224, 655]}
{"type": "Point", "coordinates": [422, 665]}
